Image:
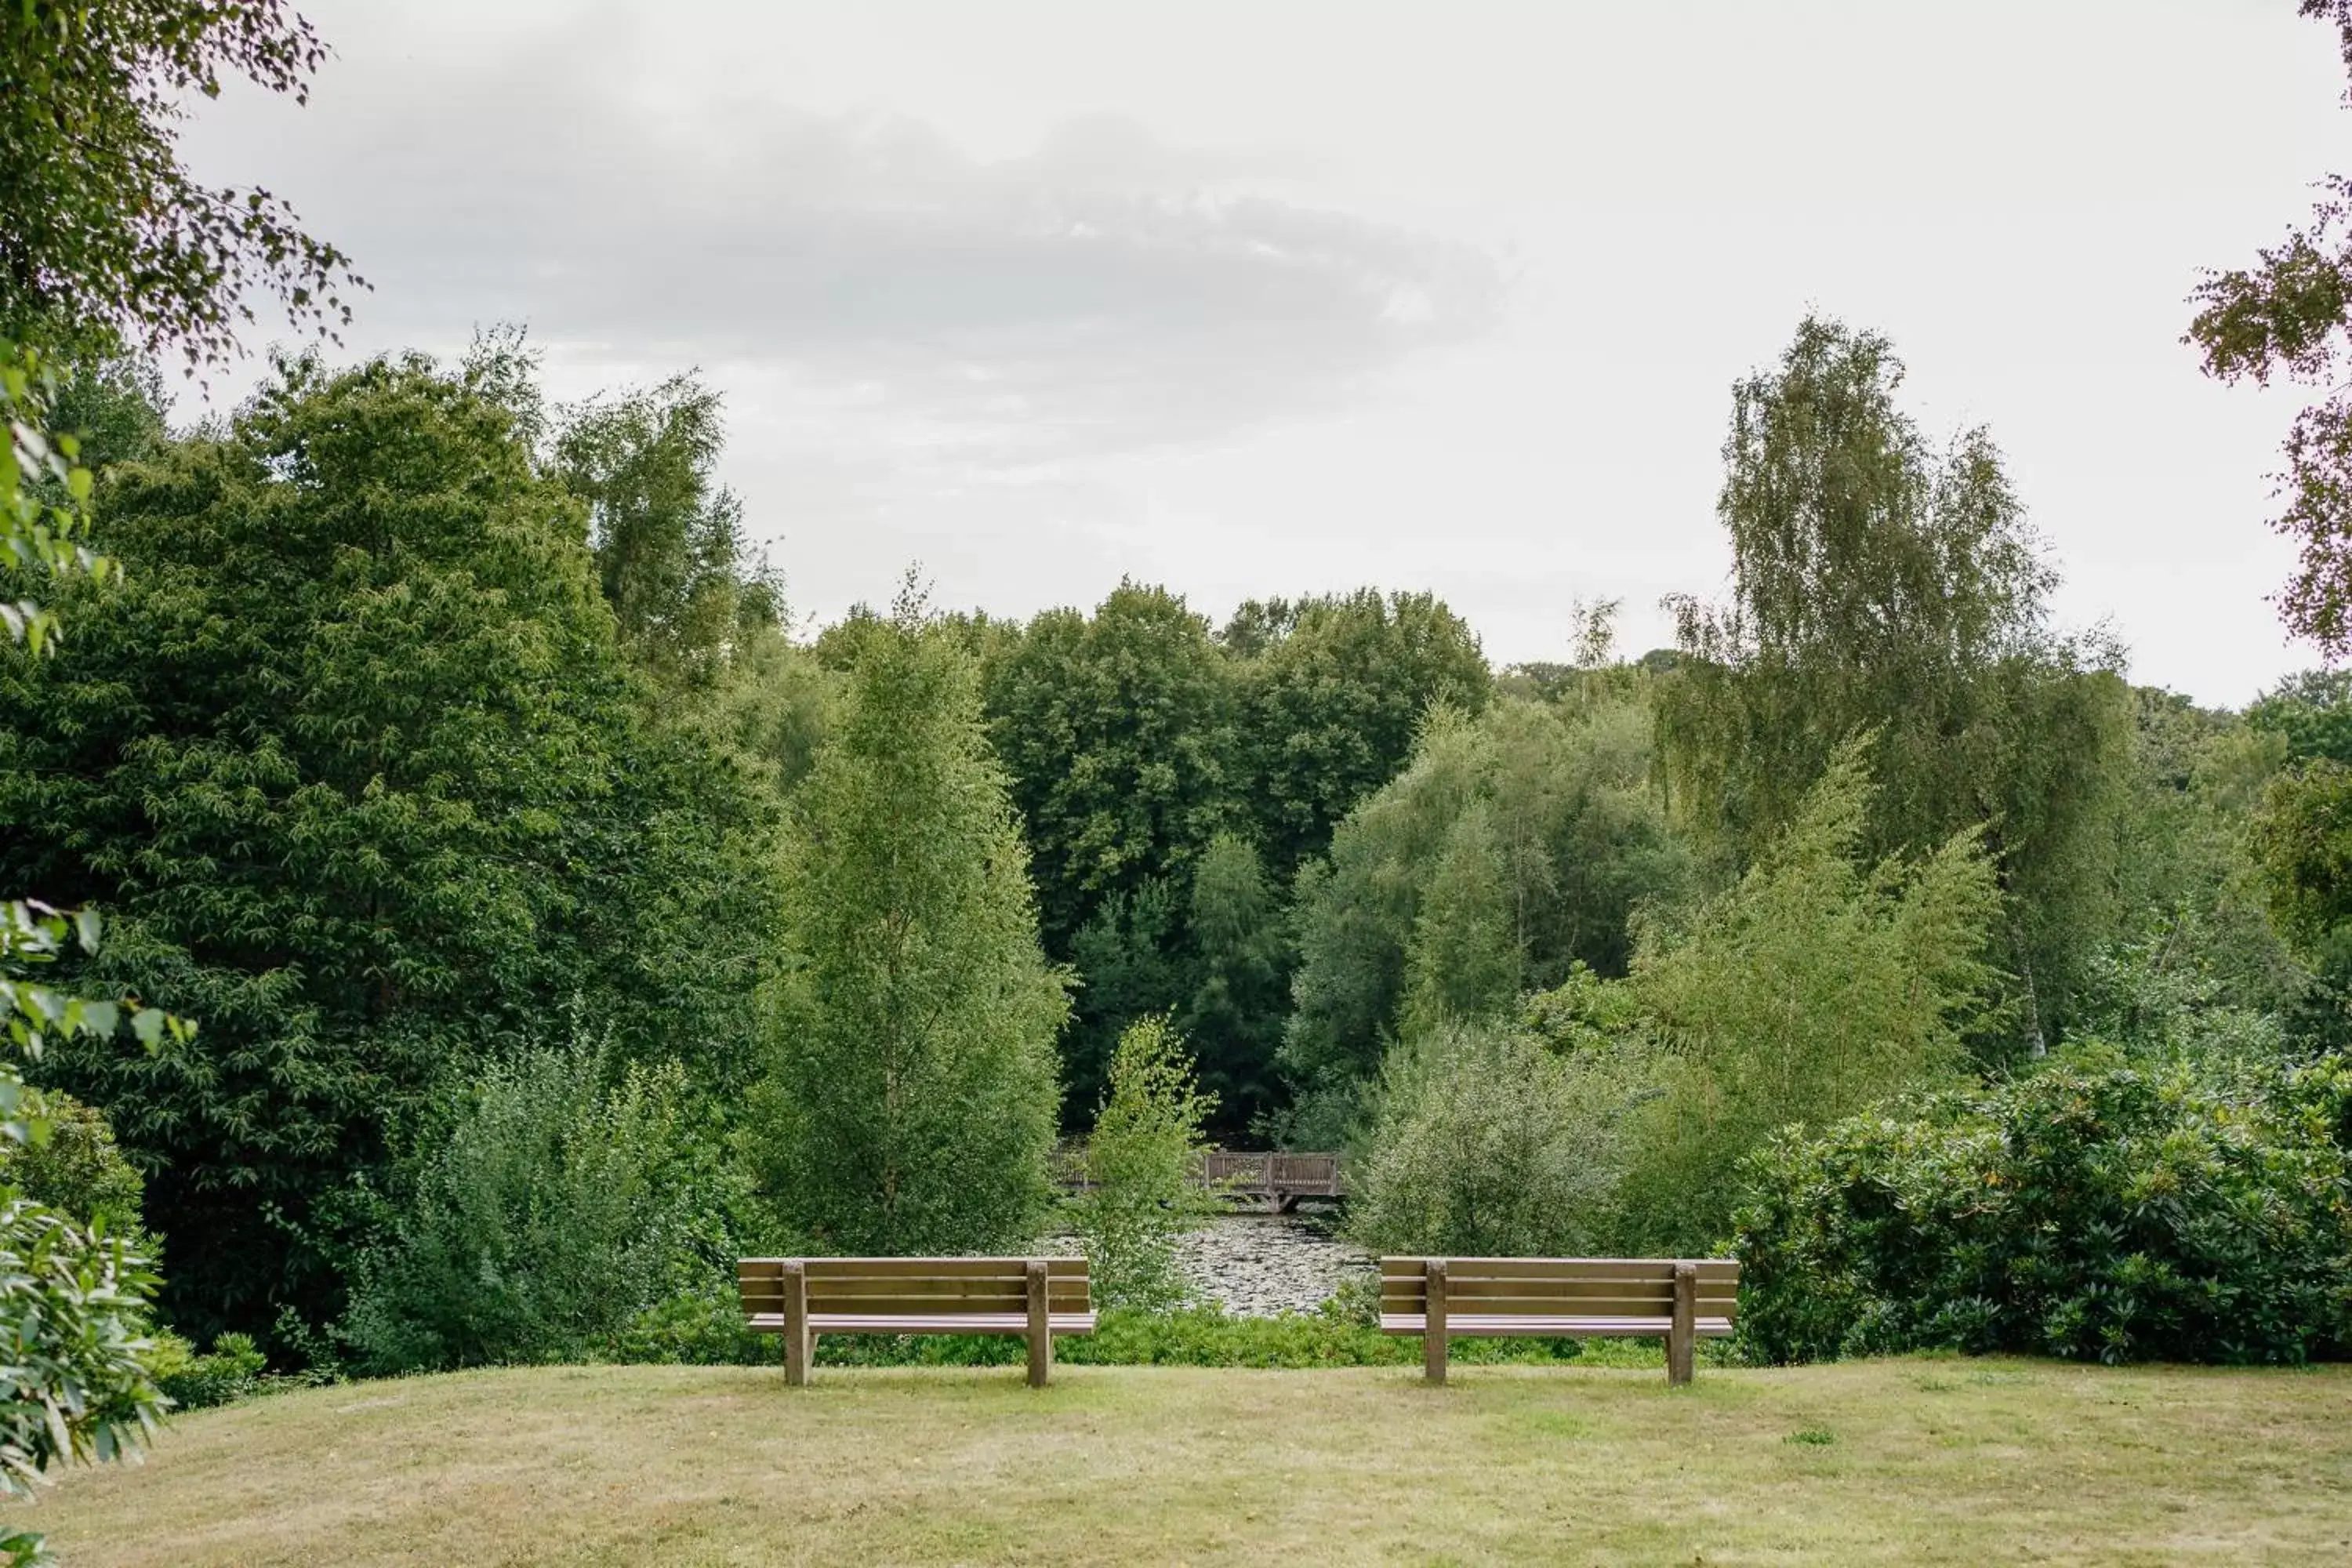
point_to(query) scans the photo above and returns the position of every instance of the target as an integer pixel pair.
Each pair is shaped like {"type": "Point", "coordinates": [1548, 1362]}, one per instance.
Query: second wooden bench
{"type": "Point", "coordinates": [1678, 1299]}
{"type": "Point", "coordinates": [801, 1298]}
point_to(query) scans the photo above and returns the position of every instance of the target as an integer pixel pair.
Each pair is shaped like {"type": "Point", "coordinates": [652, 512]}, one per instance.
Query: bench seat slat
{"type": "Point", "coordinates": [1710, 1269]}
{"type": "Point", "coordinates": [1464, 1325]}
{"type": "Point", "coordinates": [877, 1305]}
{"type": "Point", "coordinates": [1658, 1287]}
{"type": "Point", "coordinates": [920, 1268]}
{"type": "Point", "coordinates": [1561, 1305]}
{"type": "Point", "coordinates": [925, 1323]}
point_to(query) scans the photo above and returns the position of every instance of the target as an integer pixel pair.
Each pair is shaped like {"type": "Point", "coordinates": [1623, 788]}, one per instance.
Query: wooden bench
{"type": "Point", "coordinates": [1678, 1299]}
{"type": "Point", "coordinates": [801, 1298]}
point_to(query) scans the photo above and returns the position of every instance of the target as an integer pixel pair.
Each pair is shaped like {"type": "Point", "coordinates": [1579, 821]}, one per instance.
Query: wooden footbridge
{"type": "Point", "coordinates": [1279, 1179]}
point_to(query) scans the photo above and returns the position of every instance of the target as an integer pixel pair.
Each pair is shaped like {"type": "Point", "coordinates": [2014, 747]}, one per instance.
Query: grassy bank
{"type": "Point", "coordinates": [1928, 1460]}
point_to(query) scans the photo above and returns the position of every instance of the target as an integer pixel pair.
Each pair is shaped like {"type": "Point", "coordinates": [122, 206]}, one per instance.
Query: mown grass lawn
{"type": "Point", "coordinates": [1926, 1461]}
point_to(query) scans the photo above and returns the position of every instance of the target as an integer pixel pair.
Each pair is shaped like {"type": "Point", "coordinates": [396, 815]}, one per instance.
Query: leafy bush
{"type": "Point", "coordinates": [229, 1371]}
{"type": "Point", "coordinates": [544, 1221]}
{"type": "Point", "coordinates": [701, 1325]}
{"type": "Point", "coordinates": [2125, 1212]}
{"type": "Point", "coordinates": [1485, 1142]}
{"type": "Point", "coordinates": [76, 1169]}
{"type": "Point", "coordinates": [1139, 1164]}
{"type": "Point", "coordinates": [73, 1339]}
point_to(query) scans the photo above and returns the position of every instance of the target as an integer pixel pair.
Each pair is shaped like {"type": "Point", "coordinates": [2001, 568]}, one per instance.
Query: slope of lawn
{"type": "Point", "coordinates": [1922, 1460]}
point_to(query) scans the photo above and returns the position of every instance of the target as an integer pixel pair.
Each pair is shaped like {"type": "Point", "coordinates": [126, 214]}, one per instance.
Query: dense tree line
{"type": "Point", "coordinates": [555, 925]}
{"type": "Point", "coordinates": [438, 730]}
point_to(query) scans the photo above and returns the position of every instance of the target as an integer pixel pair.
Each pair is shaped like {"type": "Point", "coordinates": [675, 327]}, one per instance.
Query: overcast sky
{"type": "Point", "coordinates": [1276, 297]}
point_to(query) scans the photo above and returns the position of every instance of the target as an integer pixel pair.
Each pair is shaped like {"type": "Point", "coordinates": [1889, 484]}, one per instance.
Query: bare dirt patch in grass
{"type": "Point", "coordinates": [1906, 1461]}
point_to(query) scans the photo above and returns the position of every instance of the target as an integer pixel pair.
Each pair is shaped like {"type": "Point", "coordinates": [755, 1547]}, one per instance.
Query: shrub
{"type": "Point", "coordinates": [76, 1169]}
{"type": "Point", "coordinates": [1139, 1164]}
{"type": "Point", "coordinates": [701, 1325]}
{"type": "Point", "coordinates": [1485, 1142]}
{"type": "Point", "coordinates": [229, 1371]}
{"type": "Point", "coordinates": [550, 1214]}
{"type": "Point", "coordinates": [2111, 1210]}
{"type": "Point", "coordinates": [73, 1339]}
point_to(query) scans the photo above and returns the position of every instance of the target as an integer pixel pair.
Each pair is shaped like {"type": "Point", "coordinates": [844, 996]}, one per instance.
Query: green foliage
{"type": "Point", "coordinates": [1138, 1166]}
{"type": "Point", "coordinates": [1240, 984]}
{"type": "Point", "coordinates": [668, 542]}
{"type": "Point", "coordinates": [104, 232]}
{"type": "Point", "coordinates": [1131, 962]}
{"type": "Point", "coordinates": [1815, 986]}
{"type": "Point", "coordinates": [1513, 848]}
{"type": "Point", "coordinates": [73, 1297]}
{"type": "Point", "coordinates": [73, 1339]}
{"type": "Point", "coordinates": [911, 1103]}
{"type": "Point", "coordinates": [2287, 316]}
{"type": "Point", "coordinates": [1115, 730]}
{"type": "Point", "coordinates": [228, 1372]}
{"type": "Point", "coordinates": [2122, 1212]}
{"type": "Point", "coordinates": [1883, 588]}
{"type": "Point", "coordinates": [357, 765]}
{"type": "Point", "coordinates": [1333, 692]}
{"type": "Point", "coordinates": [1485, 1142]}
{"type": "Point", "coordinates": [551, 1209]}
{"type": "Point", "coordinates": [2196, 932]}
{"type": "Point", "coordinates": [2304, 842]}
{"type": "Point", "coordinates": [2311, 714]}
{"type": "Point", "coordinates": [73, 1166]}
{"type": "Point", "coordinates": [1464, 959]}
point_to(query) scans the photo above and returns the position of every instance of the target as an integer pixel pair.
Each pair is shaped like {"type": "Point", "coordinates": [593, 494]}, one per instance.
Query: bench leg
{"type": "Point", "coordinates": [1040, 1327]}
{"type": "Point", "coordinates": [1682, 1340]}
{"type": "Point", "coordinates": [1433, 1342]}
{"type": "Point", "coordinates": [798, 1341]}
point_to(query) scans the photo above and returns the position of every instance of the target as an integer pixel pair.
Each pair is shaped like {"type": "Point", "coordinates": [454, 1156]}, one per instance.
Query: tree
{"type": "Point", "coordinates": [1515, 846]}
{"type": "Point", "coordinates": [668, 540]}
{"type": "Point", "coordinates": [2290, 315]}
{"type": "Point", "coordinates": [1240, 997]}
{"type": "Point", "coordinates": [356, 764]}
{"type": "Point", "coordinates": [1140, 1165]}
{"type": "Point", "coordinates": [1464, 960]}
{"type": "Point", "coordinates": [1333, 692]}
{"type": "Point", "coordinates": [1131, 959]}
{"type": "Point", "coordinates": [73, 1297]}
{"type": "Point", "coordinates": [1816, 985]}
{"type": "Point", "coordinates": [105, 238]}
{"type": "Point", "coordinates": [1115, 730]}
{"type": "Point", "coordinates": [911, 1102]}
{"type": "Point", "coordinates": [1886, 589]}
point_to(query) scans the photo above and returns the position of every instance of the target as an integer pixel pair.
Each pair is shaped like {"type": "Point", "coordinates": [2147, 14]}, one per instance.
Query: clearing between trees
{"type": "Point", "coordinates": [1922, 1460]}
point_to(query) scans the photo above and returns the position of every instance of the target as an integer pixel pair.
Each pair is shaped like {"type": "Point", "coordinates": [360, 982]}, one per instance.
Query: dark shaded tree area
{"type": "Point", "coordinates": [359, 767]}
{"type": "Point", "coordinates": [1172, 780]}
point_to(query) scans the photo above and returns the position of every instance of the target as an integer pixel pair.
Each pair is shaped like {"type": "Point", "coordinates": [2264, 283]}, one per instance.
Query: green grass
{"type": "Point", "coordinates": [1920, 1460]}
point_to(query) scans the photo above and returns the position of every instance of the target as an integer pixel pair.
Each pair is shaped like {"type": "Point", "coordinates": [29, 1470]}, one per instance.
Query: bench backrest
{"type": "Point", "coordinates": [1560, 1287]}
{"type": "Point", "coordinates": [913, 1287]}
